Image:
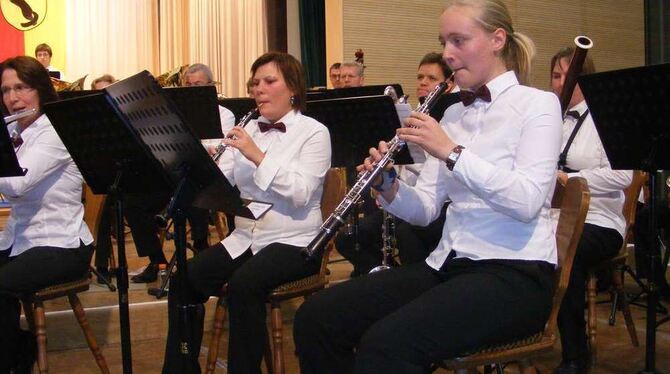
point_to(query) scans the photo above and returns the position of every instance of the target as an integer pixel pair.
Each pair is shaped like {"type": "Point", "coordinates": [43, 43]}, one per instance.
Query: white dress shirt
{"type": "Point", "coordinates": [227, 119]}
{"type": "Point", "coordinates": [502, 184]}
{"type": "Point", "coordinates": [290, 177]}
{"type": "Point", "coordinates": [46, 202]}
{"type": "Point", "coordinates": [606, 186]}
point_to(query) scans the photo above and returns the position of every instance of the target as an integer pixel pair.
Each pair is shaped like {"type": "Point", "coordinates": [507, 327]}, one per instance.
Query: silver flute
{"type": "Point", "coordinates": [243, 122]}
{"type": "Point", "coordinates": [337, 218]}
{"type": "Point", "coordinates": [19, 115]}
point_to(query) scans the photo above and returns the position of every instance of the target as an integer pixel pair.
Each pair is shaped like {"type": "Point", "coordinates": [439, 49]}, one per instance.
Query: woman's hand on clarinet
{"type": "Point", "coordinates": [424, 131]}
{"type": "Point", "coordinates": [369, 163]}
{"type": "Point", "coordinates": [239, 139]}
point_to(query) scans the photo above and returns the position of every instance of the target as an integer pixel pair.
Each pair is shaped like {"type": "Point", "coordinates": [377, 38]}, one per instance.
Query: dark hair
{"type": "Point", "coordinates": [44, 47]}
{"type": "Point", "coordinates": [33, 74]}
{"type": "Point", "coordinates": [587, 68]}
{"type": "Point", "coordinates": [335, 66]}
{"type": "Point", "coordinates": [291, 70]}
{"type": "Point", "coordinates": [105, 78]}
{"type": "Point", "coordinates": [436, 58]}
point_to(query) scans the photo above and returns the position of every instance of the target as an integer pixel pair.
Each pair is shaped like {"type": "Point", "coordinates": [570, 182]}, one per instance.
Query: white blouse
{"type": "Point", "coordinates": [46, 202]}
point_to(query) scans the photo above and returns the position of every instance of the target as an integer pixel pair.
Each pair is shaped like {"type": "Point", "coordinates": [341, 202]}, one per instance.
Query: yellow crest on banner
{"type": "Point", "coordinates": [24, 15]}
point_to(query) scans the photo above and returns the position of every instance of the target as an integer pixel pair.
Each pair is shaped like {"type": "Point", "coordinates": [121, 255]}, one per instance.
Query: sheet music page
{"type": "Point", "coordinates": [258, 208]}
{"type": "Point", "coordinates": [417, 153]}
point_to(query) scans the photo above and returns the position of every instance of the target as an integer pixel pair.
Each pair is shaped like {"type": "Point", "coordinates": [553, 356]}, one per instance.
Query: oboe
{"type": "Point", "coordinates": [243, 122]}
{"type": "Point", "coordinates": [336, 219]}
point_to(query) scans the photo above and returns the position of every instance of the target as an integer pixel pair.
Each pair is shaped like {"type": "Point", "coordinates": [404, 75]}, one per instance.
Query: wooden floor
{"type": "Point", "coordinates": [148, 321]}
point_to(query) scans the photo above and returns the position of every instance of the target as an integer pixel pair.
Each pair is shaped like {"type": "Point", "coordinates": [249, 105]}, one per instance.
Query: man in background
{"type": "Point", "coordinates": [351, 74]}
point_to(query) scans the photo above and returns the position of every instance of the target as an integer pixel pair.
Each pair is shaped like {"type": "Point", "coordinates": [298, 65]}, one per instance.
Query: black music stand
{"type": "Point", "coordinates": [355, 125]}
{"type": "Point", "coordinates": [131, 138]}
{"type": "Point", "coordinates": [9, 165]}
{"type": "Point", "coordinates": [341, 93]}
{"type": "Point", "coordinates": [200, 108]}
{"type": "Point", "coordinates": [630, 110]}
{"type": "Point", "coordinates": [238, 105]}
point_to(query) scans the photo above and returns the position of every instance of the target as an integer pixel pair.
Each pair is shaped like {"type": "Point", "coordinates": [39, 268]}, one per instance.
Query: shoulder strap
{"type": "Point", "coordinates": [563, 157]}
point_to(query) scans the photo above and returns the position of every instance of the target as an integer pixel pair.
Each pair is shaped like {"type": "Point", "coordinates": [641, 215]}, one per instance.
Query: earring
{"type": "Point", "coordinates": [292, 100]}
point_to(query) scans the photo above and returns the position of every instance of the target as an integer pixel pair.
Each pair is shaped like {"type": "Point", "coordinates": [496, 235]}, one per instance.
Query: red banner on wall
{"type": "Point", "coordinates": [11, 40]}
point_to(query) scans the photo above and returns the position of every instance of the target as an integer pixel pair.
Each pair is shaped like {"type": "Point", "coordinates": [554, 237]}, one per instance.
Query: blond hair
{"type": "Point", "coordinates": [519, 49]}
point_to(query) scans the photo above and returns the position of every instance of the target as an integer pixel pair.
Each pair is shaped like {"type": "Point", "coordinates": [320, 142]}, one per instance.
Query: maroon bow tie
{"type": "Point", "coordinates": [469, 97]}
{"type": "Point", "coordinates": [17, 140]}
{"type": "Point", "coordinates": [264, 126]}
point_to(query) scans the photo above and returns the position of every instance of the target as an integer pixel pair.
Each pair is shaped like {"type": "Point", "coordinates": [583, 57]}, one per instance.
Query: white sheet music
{"type": "Point", "coordinates": [417, 153]}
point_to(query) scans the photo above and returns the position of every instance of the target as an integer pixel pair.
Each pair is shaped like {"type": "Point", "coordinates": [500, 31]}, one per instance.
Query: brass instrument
{"type": "Point", "coordinates": [336, 219]}
{"type": "Point", "coordinates": [172, 78]}
{"type": "Point", "coordinates": [243, 122]}
{"type": "Point", "coordinates": [60, 85]}
{"type": "Point", "coordinates": [582, 46]}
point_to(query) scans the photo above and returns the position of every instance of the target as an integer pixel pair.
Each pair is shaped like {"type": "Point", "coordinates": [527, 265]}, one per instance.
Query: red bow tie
{"type": "Point", "coordinates": [469, 97]}
{"type": "Point", "coordinates": [264, 126]}
{"type": "Point", "coordinates": [573, 113]}
{"type": "Point", "coordinates": [16, 138]}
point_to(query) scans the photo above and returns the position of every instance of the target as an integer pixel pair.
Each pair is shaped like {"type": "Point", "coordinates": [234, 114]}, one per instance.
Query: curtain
{"type": "Point", "coordinates": [117, 37]}
{"type": "Point", "coordinates": [313, 41]}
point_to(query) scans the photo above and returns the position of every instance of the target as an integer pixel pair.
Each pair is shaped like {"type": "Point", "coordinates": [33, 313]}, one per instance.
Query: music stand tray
{"type": "Point", "coordinates": [341, 93]}
{"type": "Point", "coordinates": [630, 109]}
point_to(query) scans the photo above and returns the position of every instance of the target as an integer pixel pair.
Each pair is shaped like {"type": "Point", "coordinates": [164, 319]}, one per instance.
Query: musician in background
{"type": "Point", "coordinates": [43, 54]}
{"type": "Point", "coordinates": [46, 240]}
{"type": "Point", "coordinates": [281, 158]}
{"type": "Point", "coordinates": [583, 155]}
{"type": "Point", "coordinates": [334, 75]}
{"type": "Point", "coordinates": [414, 242]}
{"type": "Point", "coordinates": [351, 74]}
{"type": "Point", "coordinates": [494, 155]}
{"type": "Point", "coordinates": [102, 82]}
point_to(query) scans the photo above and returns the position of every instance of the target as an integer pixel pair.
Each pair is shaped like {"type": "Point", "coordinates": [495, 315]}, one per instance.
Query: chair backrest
{"type": "Point", "coordinates": [93, 207]}
{"type": "Point", "coordinates": [574, 206]}
{"type": "Point", "coordinates": [632, 193]}
{"type": "Point", "coordinates": [334, 190]}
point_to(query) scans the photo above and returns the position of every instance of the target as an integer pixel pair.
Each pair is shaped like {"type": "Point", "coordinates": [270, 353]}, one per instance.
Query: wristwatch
{"type": "Point", "coordinates": [453, 156]}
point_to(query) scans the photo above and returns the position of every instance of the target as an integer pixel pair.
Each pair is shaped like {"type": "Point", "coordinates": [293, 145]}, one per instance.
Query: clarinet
{"type": "Point", "coordinates": [243, 122]}
{"type": "Point", "coordinates": [337, 218]}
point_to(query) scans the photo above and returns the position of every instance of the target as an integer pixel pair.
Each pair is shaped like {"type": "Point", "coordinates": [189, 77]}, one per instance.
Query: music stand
{"type": "Point", "coordinates": [341, 93]}
{"type": "Point", "coordinates": [238, 105]}
{"type": "Point", "coordinates": [630, 110]}
{"type": "Point", "coordinates": [355, 125]}
{"type": "Point", "coordinates": [9, 164]}
{"type": "Point", "coordinates": [200, 108]}
{"type": "Point", "coordinates": [130, 138]}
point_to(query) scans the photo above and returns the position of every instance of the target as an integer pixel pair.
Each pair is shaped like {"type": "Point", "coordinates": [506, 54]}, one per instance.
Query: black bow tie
{"type": "Point", "coordinates": [573, 113]}
{"type": "Point", "coordinates": [264, 126]}
{"type": "Point", "coordinates": [469, 97]}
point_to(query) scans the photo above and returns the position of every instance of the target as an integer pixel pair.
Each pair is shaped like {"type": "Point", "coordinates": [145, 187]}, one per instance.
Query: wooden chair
{"type": "Point", "coordinates": [33, 304]}
{"type": "Point", "coordinates": [334, 190]}
{"type": "Point", "coordinates": [612, 265]}
{"type": "Point", "coordinates": [574, 206]}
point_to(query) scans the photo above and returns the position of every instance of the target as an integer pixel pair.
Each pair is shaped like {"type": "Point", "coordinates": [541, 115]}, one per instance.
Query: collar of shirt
{"type": "Point", "coordinates": [27, 133]}
{"type": "Point", "coordinates": [499, 84]}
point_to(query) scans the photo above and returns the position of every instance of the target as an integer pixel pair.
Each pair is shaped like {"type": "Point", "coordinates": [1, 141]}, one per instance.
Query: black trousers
{"type": "Point", "coordinates": [250, 278]}
{"type": "Point", "coordinates": [404, 319]}
{"type": "Point", "coordinates": [414, 242]}
{"type": "Point", "coordinates": [596, 245]}
{"type": "Point", "coordinates": [643, 244]}
{"type": "Point", "coordinates": [140, 210]}
{"type": "Point", "coordinates": [33, 269]}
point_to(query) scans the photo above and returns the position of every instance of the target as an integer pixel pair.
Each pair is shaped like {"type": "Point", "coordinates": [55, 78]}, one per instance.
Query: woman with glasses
{"type": "Point", "coordinates": [46, 240]}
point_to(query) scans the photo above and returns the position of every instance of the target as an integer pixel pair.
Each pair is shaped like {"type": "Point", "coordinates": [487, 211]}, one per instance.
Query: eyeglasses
{"type": "Point", "coordinates": [20, 89]}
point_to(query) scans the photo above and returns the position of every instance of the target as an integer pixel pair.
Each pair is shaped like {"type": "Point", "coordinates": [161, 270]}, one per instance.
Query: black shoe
{"type": "Point", "coordinates": [571, 367]}
{"type": "Point", "coordinates": [148, 275]}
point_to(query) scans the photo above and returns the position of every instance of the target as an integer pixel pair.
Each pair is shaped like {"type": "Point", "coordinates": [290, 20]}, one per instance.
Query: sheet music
{"type": "Point", "coordinates": [417, 153]}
